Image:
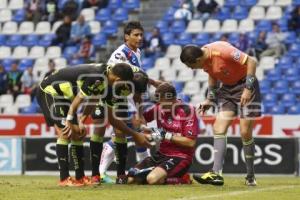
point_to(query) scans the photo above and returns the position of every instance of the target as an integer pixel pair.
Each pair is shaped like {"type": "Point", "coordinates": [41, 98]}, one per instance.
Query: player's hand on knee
{"type": "Point", "coordinates": [245, 98]}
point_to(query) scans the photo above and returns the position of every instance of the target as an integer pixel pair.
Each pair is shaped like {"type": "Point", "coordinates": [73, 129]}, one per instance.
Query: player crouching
{"type": "Point", "coordinates": [177, 132]}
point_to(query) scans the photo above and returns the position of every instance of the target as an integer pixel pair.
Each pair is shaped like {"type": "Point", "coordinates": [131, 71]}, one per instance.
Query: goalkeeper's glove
{"type": "Point", "coordinates": [160, 134]}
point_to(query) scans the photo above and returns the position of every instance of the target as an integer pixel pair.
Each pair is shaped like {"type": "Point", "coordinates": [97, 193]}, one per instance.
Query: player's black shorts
{"type": "Point", "coordinates": [174, 166]}
{"type": "Point", "coordinates": [55, 110]}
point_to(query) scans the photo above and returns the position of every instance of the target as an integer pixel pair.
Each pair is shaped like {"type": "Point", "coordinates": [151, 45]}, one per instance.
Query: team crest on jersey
{"type": "Point", "coordinates": [190, 132]}
{"type": "Point", "coordinates": [236, 55]}
{"type": "Point", "coordinates": [169, 121]}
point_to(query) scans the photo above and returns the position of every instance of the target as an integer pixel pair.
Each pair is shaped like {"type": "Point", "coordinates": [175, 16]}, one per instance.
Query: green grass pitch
{"type": "Point", "coordinates": [45, 188]}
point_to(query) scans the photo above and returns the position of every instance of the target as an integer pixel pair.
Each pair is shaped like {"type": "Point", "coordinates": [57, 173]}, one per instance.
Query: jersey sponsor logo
{"type": "Point", "coordinates": [236, 55]}
{"type": "Point", "coordinates": [190, 132]}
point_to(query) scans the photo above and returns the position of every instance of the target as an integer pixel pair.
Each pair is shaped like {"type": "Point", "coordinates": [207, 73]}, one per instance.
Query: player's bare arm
{"type": "Point", "coordinates": [140, 139]}
{"type": "Point", "coordinates": [250, 79]}
{"type": "Point", "coordinates": [211, 96]}
{"type": "Point", "coordinates": [79, 98]}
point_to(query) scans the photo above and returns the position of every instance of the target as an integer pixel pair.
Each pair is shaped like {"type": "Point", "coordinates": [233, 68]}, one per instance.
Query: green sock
{"type": "Point", "coordinates": [249, 149]}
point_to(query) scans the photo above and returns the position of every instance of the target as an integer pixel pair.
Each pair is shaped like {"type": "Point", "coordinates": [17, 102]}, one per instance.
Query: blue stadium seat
{"type": "Point", "coordinates": [216, 36]}
{"type": "Point", "coordinates": [223, 13]}
{"type": "Point", "coordinates": [232, 3]}
{"type": "Point", "coordinates": [296, 2]}
{"type": "Point", "coordinates": [147, 63]}
{"type": "Point", "coordinates": [274, 74]}
{"type": "Point", "coordinates": [114, 4]}
{"type": "Point", "coordinates": [7, 63]}
{"type": "Point", "coordinates": [240, 13]}
{"type": "Point", "coordinates": [290, 38]}
{"type": "Point", "coordinates": [162, 26]}
{"type": "Point", "coordinates": [294, 110]}
{"type": "Point", "coordinates": [103, 15]}
{"type": "Point", "coordinates": [265, 86]}
{"type": "Point", "coordinates": [14, 40]}
{"type": "Point", "coordinates": [30, 41]}
{"type": "Point", "coordinates": [234, 38]}
{"type": "Point", "coordinates": [2, 39]}
{"type": "Point", "coordinates": [178, 26]}
{"type": "Point", "coordinates": [294, 50]}
{"type": "Point", "coordinates": [74, 62]}
{"type": "Point", "coordinates": [184, 39]}
{"type": "Point", "coordinates": [283, 24]}
{"type": "Point", "coordinates": [292, 74]}
{"type": "Point", "coordinates": [110, 27]}
{"type": "Point", "coordinates": [281, 87]}
{"type": "Point", "coordinates": [252, 36]}
{"type": "Point", "coordinates": [185, 98]}
{"type": "Point", "coordinates": [296, 87]}
{"type": "Point", "coordinates": [270, 98]}
{"type": "Point", "coordinates": [264, 25]}
{"type": "Point", "coordinates": [169, 14]}
{"type": "Point", "coordinates": [177, 4]}
{"type": "Point", "coordinates": [19, 15]}
{"type": "Point", "coordinates": [178, 86]}
{"type": "Point", "coordinates": [286, 60]}
{"type": "Point", "coordinates": [277, 110]}
{"type": "Point", "coordinates": [249, 3]}
{"type": "Point", "coordinates": [288, 99]}
{"type": "Point", "coordinates": [201, 39]}
{"type": "Point", "coordinates": [132, 4]}
{"type": "Point", "coordinates": [61, 3]}
{"type": "Point", "coordinates": [99, 40]}
{"type": "Point", "coordinates": [120, 15]}
{"type": "Point", "coordinates": [168, 38]}
{"type": "Point", "coordinates": [46, 40]}
{"type": "Point", "coordinates": [24, 63]}
{"type": "Point", "coordinates": [70, 51]}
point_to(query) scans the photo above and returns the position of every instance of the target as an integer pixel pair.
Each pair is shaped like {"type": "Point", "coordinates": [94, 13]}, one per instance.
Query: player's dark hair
{"type": "Point", "coordinates": [130, 26]}
{"type": "Point", "coordinates": [190, 53]}
{"type": "Point", "coordinates": [166, 90]}
{"type": "Point", "coordinates": [140, 81]}
{"type": "Point", "coordinates": [123, 70]}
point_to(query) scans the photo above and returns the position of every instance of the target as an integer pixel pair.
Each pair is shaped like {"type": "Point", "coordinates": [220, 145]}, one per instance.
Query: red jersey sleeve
{"type": "Point", "coordinates": [190, 127]}
{"type": "Point", "coordinates": [149, 114]}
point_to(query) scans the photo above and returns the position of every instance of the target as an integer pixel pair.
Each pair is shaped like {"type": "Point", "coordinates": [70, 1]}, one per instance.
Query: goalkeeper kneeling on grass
{"type": "Point", "coordinates": [177, 132]}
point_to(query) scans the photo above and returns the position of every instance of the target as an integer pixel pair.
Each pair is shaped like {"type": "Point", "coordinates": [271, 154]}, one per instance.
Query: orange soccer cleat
{"type": "Point", "coordinates": [96, 180]}
{"type": "Point", "coordinates": [68, 182]}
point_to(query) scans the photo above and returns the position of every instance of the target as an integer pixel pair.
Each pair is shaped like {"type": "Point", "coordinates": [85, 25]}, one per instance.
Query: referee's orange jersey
{"type": "Point", "coordinates": [225, 63]}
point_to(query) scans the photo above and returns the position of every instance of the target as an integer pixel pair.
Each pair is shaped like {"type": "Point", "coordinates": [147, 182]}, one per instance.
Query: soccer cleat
{"type": "Point", "coordinates": [107, 179]}
{"type": "Point", "coordinates": [68, 182]}
{"type": "Point", "coordinates": [210, 178]}
{"type": "Point", "coordinates": [250, 181]}
{"type": "Point", "coordinates": [96, 180]}
{"type": "Point", "coordinates": [87, 180]}
{"type": "Point", "coordinates": [121, 179]}
{"type": "Point", "coordinates": [78, 183]}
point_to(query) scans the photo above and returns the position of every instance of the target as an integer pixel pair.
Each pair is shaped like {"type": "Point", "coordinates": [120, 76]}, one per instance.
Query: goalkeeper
{"type": "Point", "coordinates": [177, 132]}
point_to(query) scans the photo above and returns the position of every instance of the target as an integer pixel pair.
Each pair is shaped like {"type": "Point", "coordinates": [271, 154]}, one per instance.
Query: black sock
{"type": "Point", "coordinates": [63, 160]}
{"type": "Point", "coordinates": [78, 159]}
{"type": "Point", "coordinates": [96, 150]}
{"type": "Point", "coordinates": [121, 156]}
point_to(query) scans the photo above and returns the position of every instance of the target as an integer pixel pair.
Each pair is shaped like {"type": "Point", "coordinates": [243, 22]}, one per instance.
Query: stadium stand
{"type": "Point", "coordinates": [30, 44]}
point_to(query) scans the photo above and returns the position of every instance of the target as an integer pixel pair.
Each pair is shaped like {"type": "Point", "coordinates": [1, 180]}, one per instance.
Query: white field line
{"type": "Point", "coordinates": [236, 193]}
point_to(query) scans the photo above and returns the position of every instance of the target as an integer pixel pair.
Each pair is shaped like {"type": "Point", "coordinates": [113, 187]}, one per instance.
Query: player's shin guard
{"type": "Point", "coordinates": [121, 155]}
{"type": "Point", "coordinates": [63, 158]}
{"type": "Point", "coordinates": [141, 153]}
{"type": "Point", "coordinates": [96, 145]}
{"type": "Point", "coordinates": [220, 143]}
{"type": "Point", "coordinates": [77, 154]}
{"type": "Point", "coordinates": [249, 149]}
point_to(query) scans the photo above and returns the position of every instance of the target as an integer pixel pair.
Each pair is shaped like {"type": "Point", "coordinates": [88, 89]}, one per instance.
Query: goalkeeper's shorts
{"type": "Point", "coordinates": [174, 166]}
